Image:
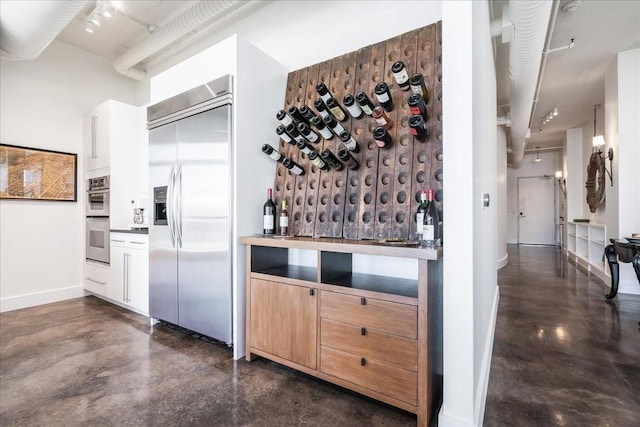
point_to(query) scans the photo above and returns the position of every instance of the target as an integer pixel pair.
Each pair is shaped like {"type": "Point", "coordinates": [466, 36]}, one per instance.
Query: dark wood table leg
{"type": "Point", "coordinates": [636, 265]}
{"type": "Point", "coordinates": [612, 259]}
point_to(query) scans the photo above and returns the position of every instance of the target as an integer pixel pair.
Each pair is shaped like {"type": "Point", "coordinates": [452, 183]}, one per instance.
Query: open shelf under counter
{"type": "Point", "coordinates": [374, 283]}
{"type": "Point", "coordinates": [298, 272]}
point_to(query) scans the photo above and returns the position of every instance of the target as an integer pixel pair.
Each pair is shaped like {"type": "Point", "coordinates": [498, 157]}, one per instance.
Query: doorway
{"type": "Point", "coordinates": [536, 211]}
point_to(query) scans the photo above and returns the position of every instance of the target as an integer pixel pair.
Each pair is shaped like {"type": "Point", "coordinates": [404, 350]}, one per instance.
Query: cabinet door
{"type": "Point", "coordinates": [138, 287]}
{"type": "Point", "coordinates": [98, 143]}
{"type": "Point", "coordinates": [284, 320]}
{"type": "Point", "coordinates": [116, 287]}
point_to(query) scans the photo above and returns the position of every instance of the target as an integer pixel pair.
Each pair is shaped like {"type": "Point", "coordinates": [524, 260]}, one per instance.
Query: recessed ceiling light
{"type": "Point", "coordinates": [571, 6]}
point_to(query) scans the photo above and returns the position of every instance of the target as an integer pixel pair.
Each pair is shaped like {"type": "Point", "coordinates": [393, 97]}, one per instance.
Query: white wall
{"type": "Point", "coordinates": [611, 138]}
{"type": "Point", "coordinates": [575, 174]}
{"type": "Point", "coordinates": [551, 161]}
{"type": "Point", "coordinates": [42, 104]}
{"type": "Point", "coordinates": [502, 258]}
{"type": "Point", "coordinates": [470, 293]}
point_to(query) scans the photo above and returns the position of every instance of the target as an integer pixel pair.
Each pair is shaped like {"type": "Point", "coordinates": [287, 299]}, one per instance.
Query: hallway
{"type": "Point", "coordinates": [562, 354]}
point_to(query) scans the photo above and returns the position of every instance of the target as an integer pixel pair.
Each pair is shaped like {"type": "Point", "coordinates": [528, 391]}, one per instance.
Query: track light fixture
{"type": "Point", "coordinates": [103, 9]}
{"type": "Point", "coordinates": [550, 116]}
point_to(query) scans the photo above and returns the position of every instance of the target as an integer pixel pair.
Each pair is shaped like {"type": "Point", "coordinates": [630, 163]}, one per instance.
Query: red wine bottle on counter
{"type": "Point", "coordinates": [422, 210]}
{"type": "Point", "coordinates": [431, 222]}
{"type": "Point", "coordinates": [284, 220]}
{"type": "Point", "coordinates": [269, 214]}
{"type": "Point", "coordinates": [272, 152]}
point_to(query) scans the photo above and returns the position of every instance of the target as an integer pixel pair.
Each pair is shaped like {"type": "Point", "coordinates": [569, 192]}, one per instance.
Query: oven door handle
{"type": "Point", "coordinates": [170, 205]}
{"type": "Point", "coordinates": [90, 192]}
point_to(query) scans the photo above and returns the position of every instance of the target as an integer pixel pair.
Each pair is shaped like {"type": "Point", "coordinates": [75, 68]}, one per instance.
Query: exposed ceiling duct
{"type": "Point", "coordinates": [205, 12]}
{"type": "Point", "coordinates": [28, 27]}
{"type": "Point", "coordinates": [531, 21]}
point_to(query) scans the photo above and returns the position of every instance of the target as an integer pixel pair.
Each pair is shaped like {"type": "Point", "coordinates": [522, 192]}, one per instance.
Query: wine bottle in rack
{"type": "Point", "coordinates": [323, 91]}
{"type": "Point", "coordinates": [314, 158]}
{"type": "Point", "coordinates": [382, 118]}
{"type": "Point", "coordinates": [322, 127]}
{"type": "Point", "coordinates": [365, 103]}
{"type": "Point", "coordinates": [307, 113]}
{"type": "Point", "coordinates": [384, 96]}
{"type": "Point", "coordinates": [418, 86]}
{"type": "Point", "coordinates": [347, 158]}
{"type": "Point", "coordinates": [306, 131]}
{"type": "Point", "coordinates": [333, 125]}
{"type": "Point", "coordinates": [400, 74]}
{"type": "Point", "coordinates": [418, 128]}
{"type": "Point", "coordinates": [354, 108]}
{"type": "Point", "coordinates": [431, 227]}
{"type": "Point", "coordinates": [331, 159]}
{"type": "Point", "coordinates": [284, 118]}
{"type": "Point", "coordinates": [321, 108]}
{"type": "Point", "coordinates": [293, 133]}
{"type": "Point", "coordinates": [272, 152]}
{"type": "Point", "coordinates": [297, 115]}
{"type": "Point", "coordinates": [269, 214]}
{"type": "Point", "coordinates": [382, 137]}
{"type": "Point", "coordinates": [417, 105]}
{"type": "Point", "coordinates": [293, 167]}
{"type": "Point", "coordinates": [305, 147]}
{"type": "Point", "coordinates": [284, 220]}
{"type": "Point", "coordinates": [420, 213]}
{"type": "Point", "coordinates": [349, 141]}
{"type": "Point", "coordinates": [284, 135]}
{"type": "Point", "coordinates": [336, 109]}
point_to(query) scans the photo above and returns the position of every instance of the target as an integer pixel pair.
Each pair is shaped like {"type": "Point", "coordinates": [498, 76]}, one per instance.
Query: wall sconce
{"type": "Point", "coordinates": [598, 143]}
{"type": "Point", "coordinates": [562, 183]}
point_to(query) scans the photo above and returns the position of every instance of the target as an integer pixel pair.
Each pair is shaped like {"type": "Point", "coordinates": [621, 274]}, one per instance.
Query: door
{"type": "Point", "coordinates": [536, 201]}
{"type": "Point", "coordinates": [284, 321]}
{"type": "Point", "coordinates": [204, 223]}
{"type": "Point", "coordinates": [163, 266]}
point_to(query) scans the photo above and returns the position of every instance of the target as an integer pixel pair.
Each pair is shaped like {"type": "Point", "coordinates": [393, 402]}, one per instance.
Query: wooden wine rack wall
{"type": "Point", "coordinates": [379, 199]}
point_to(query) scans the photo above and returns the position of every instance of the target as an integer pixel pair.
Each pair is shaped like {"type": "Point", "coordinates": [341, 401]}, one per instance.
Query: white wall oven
{"type": "Point", "coordinates": [98, 239]}
{"type": "Point", "coordinates": [97, 233]}
{"type": "Point", "coordinates": [98, 196]}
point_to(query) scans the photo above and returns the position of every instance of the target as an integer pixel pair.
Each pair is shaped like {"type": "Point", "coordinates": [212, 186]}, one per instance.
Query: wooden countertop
{"type": "Point", "coordinates": [367, 247]}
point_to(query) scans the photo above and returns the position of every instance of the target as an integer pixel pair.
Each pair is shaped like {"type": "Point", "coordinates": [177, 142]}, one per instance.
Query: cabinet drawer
{"type": "Point", "coordinates": [392, 349]}
{"type": "Point", "coordinates": [390, 317]}
{"type": "Point", "coordinates": [390, 380]}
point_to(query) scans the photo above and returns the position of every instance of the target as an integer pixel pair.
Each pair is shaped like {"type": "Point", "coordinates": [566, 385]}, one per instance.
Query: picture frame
{"type": "Point", "coordinates": [37, 174]}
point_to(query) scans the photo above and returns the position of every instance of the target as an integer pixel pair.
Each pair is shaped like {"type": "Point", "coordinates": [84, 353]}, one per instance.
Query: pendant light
{"type": "Point", "coordinates": [537, 159]}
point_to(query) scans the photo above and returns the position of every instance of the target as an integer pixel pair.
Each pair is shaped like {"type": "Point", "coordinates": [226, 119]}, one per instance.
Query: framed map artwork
{"type": "Point", "coordinates": [35, 174]}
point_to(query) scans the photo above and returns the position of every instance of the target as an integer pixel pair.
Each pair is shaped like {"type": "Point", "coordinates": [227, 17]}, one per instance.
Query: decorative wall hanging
{"type": "Point", "coordinates": [34, 174]}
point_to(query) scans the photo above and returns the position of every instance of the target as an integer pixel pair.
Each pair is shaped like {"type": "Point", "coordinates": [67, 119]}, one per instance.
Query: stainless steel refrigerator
{"type": "Point", "coordinates": [190, 175]}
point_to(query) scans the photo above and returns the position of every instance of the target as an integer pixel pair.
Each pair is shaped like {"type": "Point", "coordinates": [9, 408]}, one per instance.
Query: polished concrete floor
{"type": "Point", "coordinates": [562, 356]}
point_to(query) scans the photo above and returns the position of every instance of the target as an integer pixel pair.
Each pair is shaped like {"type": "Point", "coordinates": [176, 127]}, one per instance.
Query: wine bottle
{"type": "Point", "coordinates": [306, 131]}
{"type": "Point", "coordinates": [384, 96]}
{"type": "Point", "coordinates": [307, 113]}
{"type": "Point", "coordinates": [347, 159]}
{"type": "Point", "coordinates": [382, 137]}
{"type": "Point", "coordinates": [284, 118]}
{"type": "Point", "coordinates": [322, 128]}
{"type": "Point", "coordinates": [284, 135]}
{"type": "Point", "coordinates": [431, 230]}
{"type": "Point", "coordinates": [417, 105]}
{"type": "Point", "coordinates": [354, 108]}
{"type": "Point", "coordinates": [349, 141]}
{"type": "Point", "coordinates": [418, 86]}
{"type": "Point", "coordinates": [365, 103]}
{"type": "Point", "coordinates": [400, 74]}
{"type": "Point", "coordinates": [284, 220]}
{"type": "Point", "coordinates": [323, 91]}
{"type": "Point", "coordinates": [418, 128]}
{"type": "Point", "coordinates": [269, 214]}
{"type": "Point", "coordinates": [331, 159]}
{"type": "Point", "coordinates": [314, 158]}
{"type": "Point", "coordinates": [382, 118]}
{"type": "Point", "coordinates": [336, 109]}
{"type": "Point", "coordinates": [297, 115]}
{"type": "Point", "coordinates": [321, 107]}
{"type": "Point", "coordinates": [333, 125]}
{"type": "Point", "coordinates": [422, 210]}
{"type": "Point", "coordinates": [272, 152]}
{"type": "Point", "coordinates": [293, 167]}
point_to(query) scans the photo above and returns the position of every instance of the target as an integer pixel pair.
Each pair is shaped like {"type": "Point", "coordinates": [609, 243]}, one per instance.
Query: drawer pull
{"type": "Point", "coordinates": [363, 301]}
{"type": "Point", "coordinates": [363, 362]}
{"type": "Point", "coordinates": [312, 292]}
{"type": "Point", "coordinates": [363, 331]}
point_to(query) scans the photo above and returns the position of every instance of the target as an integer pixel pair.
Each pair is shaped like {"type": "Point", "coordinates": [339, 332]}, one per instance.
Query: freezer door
{"type": "Point", "coordinates": [204, 223]}
{"type": "Point", "coordinates": [163, 254]}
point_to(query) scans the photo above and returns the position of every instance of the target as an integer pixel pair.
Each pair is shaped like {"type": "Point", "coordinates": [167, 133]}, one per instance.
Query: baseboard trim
{"type": "Point", "coordinates": [481, 396]}
{"type": "Point", "coordinates": [40, 298]}
{"type": "Point", "coordinates": [502, 262]}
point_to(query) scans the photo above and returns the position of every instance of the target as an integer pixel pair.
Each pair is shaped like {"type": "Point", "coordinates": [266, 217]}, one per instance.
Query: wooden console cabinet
{"type": "Point", "coordinates": [377, 334]}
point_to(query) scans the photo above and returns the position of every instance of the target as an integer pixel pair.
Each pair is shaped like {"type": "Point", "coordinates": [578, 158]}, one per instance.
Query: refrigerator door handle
{"type": "Point", "coordinates": [179, 206]}
{"type": "Point", "coordinates": [170, 205]}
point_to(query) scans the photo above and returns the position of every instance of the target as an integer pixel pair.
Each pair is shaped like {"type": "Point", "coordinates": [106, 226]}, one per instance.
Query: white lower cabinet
{"type": "Point", "coordinates": [129, 278]}
{"type": "Point", "coordinates": [96, 278]}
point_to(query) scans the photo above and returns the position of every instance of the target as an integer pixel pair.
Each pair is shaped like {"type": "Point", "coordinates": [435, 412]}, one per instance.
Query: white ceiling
{"type": "Point", "coordinates": [573, 79]}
